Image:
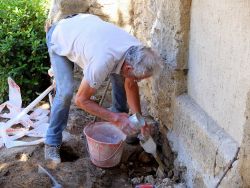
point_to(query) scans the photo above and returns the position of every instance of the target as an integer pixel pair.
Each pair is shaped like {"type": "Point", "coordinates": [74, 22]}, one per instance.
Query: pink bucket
{"type": "Point", "coordinates": [105, 143]}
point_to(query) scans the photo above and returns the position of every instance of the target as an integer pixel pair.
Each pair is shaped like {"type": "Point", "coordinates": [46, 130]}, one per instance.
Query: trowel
{"type": "Point", "coordinates": [149, 146]}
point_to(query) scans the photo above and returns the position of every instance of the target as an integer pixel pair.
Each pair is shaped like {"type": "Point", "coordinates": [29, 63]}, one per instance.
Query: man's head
{"type": "Point", "coordinates": [141, 62]}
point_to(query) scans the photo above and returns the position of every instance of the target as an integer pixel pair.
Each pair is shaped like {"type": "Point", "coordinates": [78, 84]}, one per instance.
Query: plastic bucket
{"type": "Point", "coordinates": [105, 144]}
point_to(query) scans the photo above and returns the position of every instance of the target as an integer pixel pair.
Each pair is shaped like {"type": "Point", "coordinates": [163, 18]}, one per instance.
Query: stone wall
{"type": "Point", "coordinates": [164, 26]}
{"type": "Point", "coordinates": [115, 11]}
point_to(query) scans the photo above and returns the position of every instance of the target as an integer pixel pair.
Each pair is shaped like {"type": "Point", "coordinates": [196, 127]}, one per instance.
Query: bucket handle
{"type": "Point", "coordinates": [112, 155]}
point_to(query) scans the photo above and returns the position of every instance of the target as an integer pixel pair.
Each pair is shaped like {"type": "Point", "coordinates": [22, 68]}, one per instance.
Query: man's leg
{"type": "Point", "coordinates": [63, 73]}
{"type": "Point", "coordinates": [119, 99]}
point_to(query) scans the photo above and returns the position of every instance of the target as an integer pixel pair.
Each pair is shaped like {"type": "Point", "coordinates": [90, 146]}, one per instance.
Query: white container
{"type": "Point", "coordinates": [137, 120]}
{"type": "Point", "coordinates": [149, 145]}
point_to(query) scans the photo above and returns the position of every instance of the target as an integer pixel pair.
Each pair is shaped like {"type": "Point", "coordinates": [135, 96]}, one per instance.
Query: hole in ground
{"type": "Point", "coordinates": [67, 154]}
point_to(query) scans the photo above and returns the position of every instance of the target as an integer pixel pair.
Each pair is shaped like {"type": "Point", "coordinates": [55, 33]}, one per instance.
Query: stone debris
{"type": "Point", "coordinates": [168, 182]}
{"type": "Point", "coordinates": [165, 183]}
{"type": "Point", "coordinates": [149, 179]}
{"type": "Point", "coordinates": [159, 183]}
{"type": "Point", "coordinates": [136, 181]}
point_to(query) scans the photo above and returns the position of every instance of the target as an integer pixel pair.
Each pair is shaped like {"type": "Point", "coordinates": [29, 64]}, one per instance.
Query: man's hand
{"type": "Point", "coordinates": [146, 130]}
{"type": "Point", "coordinates": [83, 100]}
{"type": "Point", "coordinates": [124, 124]}
{"type": "Point", "coordinates": [132, 93]}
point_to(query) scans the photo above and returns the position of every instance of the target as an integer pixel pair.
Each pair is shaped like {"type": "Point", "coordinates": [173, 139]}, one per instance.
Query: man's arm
{"type": "Point", "coordinates": [132, 93]}
{"type": "Point", "coordinates": [84, 102]}
{"type": "Point", "coordinates": [133, 97]}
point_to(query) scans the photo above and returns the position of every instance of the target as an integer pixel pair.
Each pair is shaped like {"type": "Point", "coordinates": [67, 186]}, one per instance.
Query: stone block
{"type": "Point", "coordinates": [203, 146]}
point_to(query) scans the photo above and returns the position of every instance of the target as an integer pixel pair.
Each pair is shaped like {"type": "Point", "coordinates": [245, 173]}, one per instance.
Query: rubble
{"type": "Point", "coordinates": [149, 179]}
{"type": "Point", "coordinates": [136, 181]}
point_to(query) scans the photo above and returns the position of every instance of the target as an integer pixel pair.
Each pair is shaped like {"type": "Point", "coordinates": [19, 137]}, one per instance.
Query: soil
{"type": "Point", "coordinates": [19, 166]}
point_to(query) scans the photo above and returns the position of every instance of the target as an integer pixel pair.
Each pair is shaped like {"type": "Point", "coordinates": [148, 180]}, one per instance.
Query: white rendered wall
{"type": "Point", "coordinates": [219, 61]}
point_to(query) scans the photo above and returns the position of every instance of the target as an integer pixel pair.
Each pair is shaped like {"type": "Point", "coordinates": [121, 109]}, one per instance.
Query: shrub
{"type": "Point", "coordinates": [23, 49]}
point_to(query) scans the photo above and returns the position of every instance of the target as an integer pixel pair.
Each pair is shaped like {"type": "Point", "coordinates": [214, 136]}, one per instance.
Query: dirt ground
{"type": "Point", "coordinates": [19, 166]}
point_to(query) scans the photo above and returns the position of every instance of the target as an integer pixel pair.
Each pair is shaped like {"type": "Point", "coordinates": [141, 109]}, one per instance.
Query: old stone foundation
{"type": "Point", "coordinates": [202, 145]}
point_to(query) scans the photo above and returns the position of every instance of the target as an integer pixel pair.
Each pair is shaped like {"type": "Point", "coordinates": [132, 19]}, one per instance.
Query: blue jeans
{"type": "Point", "coordinates": [63, 73]}
{"type": "Point", "coordinates": [119, 99]}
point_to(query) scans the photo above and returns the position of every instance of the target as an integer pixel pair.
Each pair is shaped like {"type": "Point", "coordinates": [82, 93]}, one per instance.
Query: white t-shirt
{"type": "Point", "coordinates": [96, 46]}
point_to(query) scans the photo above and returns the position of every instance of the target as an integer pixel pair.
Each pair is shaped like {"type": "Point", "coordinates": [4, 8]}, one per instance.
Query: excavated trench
{"type": "Point", "coordinates": [19, 166]}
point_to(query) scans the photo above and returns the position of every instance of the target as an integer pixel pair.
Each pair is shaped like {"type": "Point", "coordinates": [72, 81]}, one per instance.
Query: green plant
{"type": "Point", "coordinates": [23, 49]}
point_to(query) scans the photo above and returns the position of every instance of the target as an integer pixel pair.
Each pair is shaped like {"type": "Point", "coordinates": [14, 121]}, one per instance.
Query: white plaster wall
{"type": "Point", "coordinates": [219, 61]}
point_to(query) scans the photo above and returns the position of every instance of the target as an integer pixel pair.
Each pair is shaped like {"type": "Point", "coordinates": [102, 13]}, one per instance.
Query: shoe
{"type": "Point", "coordinates": [133, 140]}
{"type": "Point", "coordinates": [52, 153]}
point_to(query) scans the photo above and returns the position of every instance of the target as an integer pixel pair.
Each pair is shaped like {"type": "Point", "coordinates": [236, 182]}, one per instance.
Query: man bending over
{"type": "Point", "coordinates": [102, 50]}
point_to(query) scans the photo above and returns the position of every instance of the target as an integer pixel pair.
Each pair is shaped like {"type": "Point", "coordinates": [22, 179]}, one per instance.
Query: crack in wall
{"type": "Point", "coordinates": [215, 161]}
{"type": "Point", "coordinates": [245, 147]}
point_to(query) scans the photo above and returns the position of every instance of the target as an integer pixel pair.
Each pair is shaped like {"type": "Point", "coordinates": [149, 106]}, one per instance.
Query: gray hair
{"type": "Point", "coordinates": [144, 61]}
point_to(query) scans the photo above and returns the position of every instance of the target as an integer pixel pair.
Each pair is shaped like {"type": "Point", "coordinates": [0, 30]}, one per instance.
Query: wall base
{"type": "Point", "coordinates": [202, 146]}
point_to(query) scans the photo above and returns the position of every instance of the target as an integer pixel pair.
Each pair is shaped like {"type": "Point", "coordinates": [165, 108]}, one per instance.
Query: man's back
{"type": "Point", "coordinates": [87, 39]}
{"type": "Point", "coordinates": [98, 47]}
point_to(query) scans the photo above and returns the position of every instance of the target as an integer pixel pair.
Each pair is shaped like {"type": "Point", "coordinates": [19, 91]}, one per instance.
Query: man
{"type": "Point", "coordinates": [102, 50]}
